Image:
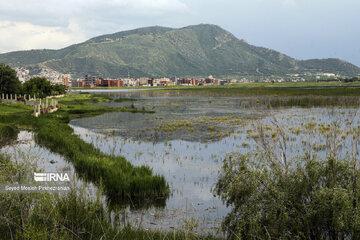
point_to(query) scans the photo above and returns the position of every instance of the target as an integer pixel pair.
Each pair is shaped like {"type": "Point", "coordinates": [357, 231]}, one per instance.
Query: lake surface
{"type": "Point", "coordinates": [187, 138]}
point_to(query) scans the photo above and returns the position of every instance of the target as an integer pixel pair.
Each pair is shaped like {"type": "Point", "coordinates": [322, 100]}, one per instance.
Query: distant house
{"type": "Point", "coordinates": [116, 83]}
{"type": "Point", "coordinates": [143, 81]}
{"type": "Point", "coordinates": [151, 82]}
{"type": "Point", "coordinates": [90, 80]}
{"type": "Point", "coordinates": [66, 81]}
{"type": "Point", "coordinates": [80, 83]}
{"type": "Point", "coordinates": [163, 81]}
{"type": "Point", "coordinates": [110, 82]}
{"type": "Point", "coordinates": [184, 81]}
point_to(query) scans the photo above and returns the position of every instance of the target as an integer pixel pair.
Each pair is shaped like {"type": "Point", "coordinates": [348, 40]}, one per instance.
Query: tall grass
{"type": "Point", "coordinates": [303, 101]}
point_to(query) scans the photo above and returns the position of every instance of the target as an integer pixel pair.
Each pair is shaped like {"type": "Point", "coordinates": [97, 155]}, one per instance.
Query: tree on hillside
{"type": "Point", "coordinates": [38, 86]}
{"type": "Point", "coordinates": [9, 82]}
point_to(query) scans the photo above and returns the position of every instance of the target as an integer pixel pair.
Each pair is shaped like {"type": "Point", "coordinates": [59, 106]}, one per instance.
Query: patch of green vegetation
{"type": "Point", "coordinates": [14, 108]}
{"type": "Point", "coordinates": [7, 133]}
{"type": "Point", "coordinates": [201, 128]}
{"type": "Point", "coordinates": [83, 99]}
{"type": "Point", "coordinates": [122, 181]}
{"type": "Point", "coordinates": [254, 90]}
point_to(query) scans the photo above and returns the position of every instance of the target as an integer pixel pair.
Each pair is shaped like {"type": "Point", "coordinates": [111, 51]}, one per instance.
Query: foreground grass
{"type": "Point", "coordinates": [70, 215]}
{"type": "Point", "coordinates": [123, 183]}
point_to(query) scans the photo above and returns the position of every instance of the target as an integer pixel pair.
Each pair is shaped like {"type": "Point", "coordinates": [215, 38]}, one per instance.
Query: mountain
{"type": "Point", "coordinates": [198, 50]}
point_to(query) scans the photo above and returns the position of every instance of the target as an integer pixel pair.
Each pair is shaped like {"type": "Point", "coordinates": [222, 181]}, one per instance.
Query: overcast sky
{"type": "Point", "coordinates": [302, 29]}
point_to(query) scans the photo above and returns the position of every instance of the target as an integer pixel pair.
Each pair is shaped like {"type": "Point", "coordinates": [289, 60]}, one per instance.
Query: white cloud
{"type": "Point", "coordinates": [54, 24]}
{"type": "Point", "coordinates": [24, 36]}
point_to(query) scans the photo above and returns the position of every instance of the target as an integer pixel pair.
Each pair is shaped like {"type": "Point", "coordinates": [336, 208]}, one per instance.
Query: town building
{"type": "Point", "coordinates": [90, 80]}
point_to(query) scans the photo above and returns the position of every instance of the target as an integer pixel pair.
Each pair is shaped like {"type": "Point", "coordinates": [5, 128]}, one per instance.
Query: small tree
{"type": "Point", "coordinates": [58, 89]}
{"type": "Point", "coordinates": [9, 82]}
{"type": "Point", "coordinates": [38, 86]}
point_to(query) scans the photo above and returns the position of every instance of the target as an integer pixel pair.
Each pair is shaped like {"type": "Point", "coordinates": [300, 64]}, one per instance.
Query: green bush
{"type": "Point", "coordinates": [7, 133]}
{"type": "Point", "coordinates": [273, 196]}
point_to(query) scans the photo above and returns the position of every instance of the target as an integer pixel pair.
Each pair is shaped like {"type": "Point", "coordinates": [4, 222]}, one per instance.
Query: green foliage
{"type": "Point", "coordinates": [9, 82]}
{"type": "Point", "coordinates": [58, 89]}
{"type": "Point", "coordinates": [281, 198]}
{"type": "Point", "coordinates": [197, 50]}
{"type": "Point", "coordinates": [42, 88]}
{"type": "Point", "coordinates": [7, 133]}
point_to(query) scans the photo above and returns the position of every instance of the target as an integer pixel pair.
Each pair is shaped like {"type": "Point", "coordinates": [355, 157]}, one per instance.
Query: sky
{"type": "Point", "coordinates": [302, 29]}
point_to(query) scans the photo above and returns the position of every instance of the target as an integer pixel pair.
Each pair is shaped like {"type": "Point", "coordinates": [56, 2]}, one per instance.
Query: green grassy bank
{"type": "Point", "coordinates": [122, 181]}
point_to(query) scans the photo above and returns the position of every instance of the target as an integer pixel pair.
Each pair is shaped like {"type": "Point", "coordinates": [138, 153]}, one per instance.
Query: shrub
{"type": "Point", "coordinates": [305, 197]}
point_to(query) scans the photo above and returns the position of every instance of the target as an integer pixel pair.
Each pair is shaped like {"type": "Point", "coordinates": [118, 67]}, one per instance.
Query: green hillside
{"type": "Point", "coordinates": [198, 50]}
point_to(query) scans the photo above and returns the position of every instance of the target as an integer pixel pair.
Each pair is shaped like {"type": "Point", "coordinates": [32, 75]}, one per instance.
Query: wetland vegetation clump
{"type": "Point", "coordinates": [277, 192]}
{"type": "Point", "coordinates": [203, 128]}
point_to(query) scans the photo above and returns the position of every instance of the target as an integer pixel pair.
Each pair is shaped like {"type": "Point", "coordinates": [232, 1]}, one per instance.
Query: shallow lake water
{"type": "Point", "coordinates": [186, 140]}
{"type": "Point", "coordinates": [26, 149]}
